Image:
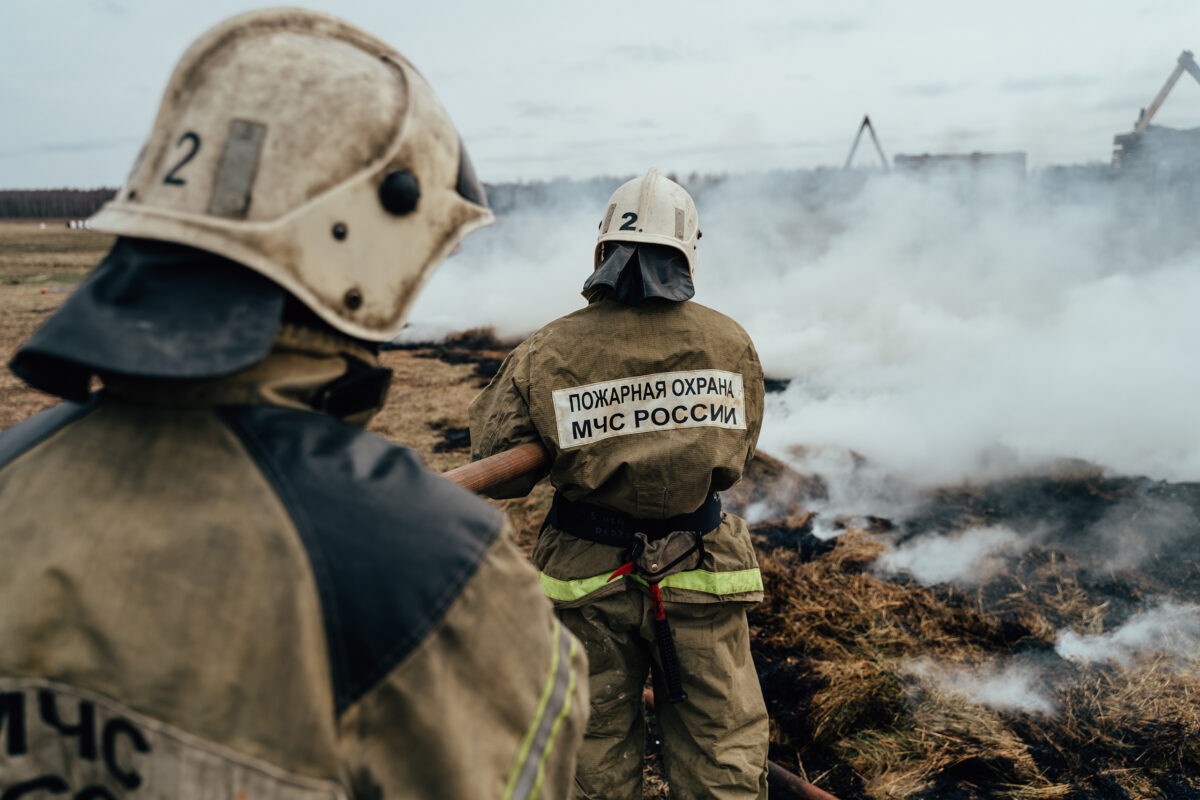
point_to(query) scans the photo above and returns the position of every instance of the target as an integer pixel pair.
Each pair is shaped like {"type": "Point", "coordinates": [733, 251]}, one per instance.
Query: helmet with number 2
{"type": "Point", "coordinates": [313, 153]}
{"type": "Point", "coordinates": [651, 209]}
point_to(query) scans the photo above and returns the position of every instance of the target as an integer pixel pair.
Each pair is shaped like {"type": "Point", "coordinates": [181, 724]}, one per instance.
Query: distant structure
{"type": "Point", "coordinates": [1155, 154]}
{"type": "Point", "coordinates": [867, 126]}
{"type": "Point", "coordinates": [1013, 164]}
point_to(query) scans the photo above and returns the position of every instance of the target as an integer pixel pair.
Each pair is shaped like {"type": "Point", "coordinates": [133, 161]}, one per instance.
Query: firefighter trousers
{"type": "Point", "coordinates": [714, 743]}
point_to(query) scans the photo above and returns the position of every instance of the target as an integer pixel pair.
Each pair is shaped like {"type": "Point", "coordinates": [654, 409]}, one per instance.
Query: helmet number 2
{"type": "Point", "coordinates": [629, 218]}
{"type": "Point", "coordinates": [193, 140]}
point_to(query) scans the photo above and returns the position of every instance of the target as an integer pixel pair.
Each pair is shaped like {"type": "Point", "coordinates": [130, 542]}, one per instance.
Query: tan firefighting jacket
{"type": "Point", "coordinates": [208, 589]}
{"type": "Point", "coordinates": [646, 410]}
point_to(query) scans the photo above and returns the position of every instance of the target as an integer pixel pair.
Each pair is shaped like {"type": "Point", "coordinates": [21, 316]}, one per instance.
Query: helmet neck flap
{"type": "Point", "coordinates": [154, 310]}
{"type": "Point", "coordinates": [171, 324]}
{"type": "Point", "coordinates": [634, 273]}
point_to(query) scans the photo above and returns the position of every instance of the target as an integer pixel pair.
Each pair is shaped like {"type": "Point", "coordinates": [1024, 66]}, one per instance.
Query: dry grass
{"type": "Point", "coordinates": [835, 643]}
{"type": "Point", "coordinates": [38, 268]}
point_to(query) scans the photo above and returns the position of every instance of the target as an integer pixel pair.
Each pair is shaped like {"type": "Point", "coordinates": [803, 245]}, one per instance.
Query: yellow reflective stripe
{"type": "Point", "coordinates": [696, 580]}
{"type": "Point", "coordinates": [558, 721]}
{"type": "Point", "coordinates": [701, 580]}
{"type": "Point", "coordinates": [525, 780]}
{"type": "Point", "coordinates": [567, 591]}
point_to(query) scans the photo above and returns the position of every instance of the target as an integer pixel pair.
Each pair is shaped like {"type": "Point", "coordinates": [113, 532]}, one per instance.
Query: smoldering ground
{"type": "Point", "coordinates": [965, 654]}
{"type": "Point", "coordinates": [929, 328]}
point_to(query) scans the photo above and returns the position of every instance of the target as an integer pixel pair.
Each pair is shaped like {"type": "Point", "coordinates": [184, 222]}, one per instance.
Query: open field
{"type": "Point", "coordinates": [38, 269]}
{"type": "Point", "coordinates": [1069, 670]}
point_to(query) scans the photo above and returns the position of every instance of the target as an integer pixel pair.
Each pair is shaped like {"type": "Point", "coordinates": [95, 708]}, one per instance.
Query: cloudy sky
{"type": "Point", "coordinates": [543, 90]}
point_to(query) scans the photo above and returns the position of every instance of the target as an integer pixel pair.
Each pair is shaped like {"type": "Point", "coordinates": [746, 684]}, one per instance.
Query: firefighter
{"type": "Point", "coordinates": [649, 405]}
{"type": "Point", "coordinates": [213, 581]}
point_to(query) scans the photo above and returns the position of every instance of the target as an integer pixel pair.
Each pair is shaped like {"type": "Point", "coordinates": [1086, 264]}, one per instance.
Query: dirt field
{"type": "Point", "coordinates": [38, 268]}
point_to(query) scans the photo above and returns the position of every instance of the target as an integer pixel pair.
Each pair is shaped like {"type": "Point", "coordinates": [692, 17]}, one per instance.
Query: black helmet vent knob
{"type": "Point", "coordinates": [399, 193]}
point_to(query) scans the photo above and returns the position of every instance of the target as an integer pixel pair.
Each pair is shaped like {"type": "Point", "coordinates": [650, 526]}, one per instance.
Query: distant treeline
{"type": "Point", "coordinates": [52, 203]}
{"type": "Point", "coordinates": [813, 185]}
{"type": "Point", "coordinates": [82, 203]}
{"type": "Point", "coordinates": [504, 197]}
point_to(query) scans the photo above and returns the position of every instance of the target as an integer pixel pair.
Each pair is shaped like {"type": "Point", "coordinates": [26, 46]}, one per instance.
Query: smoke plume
{"type": "Point", "coordinates": [1005, 685]}
{"type": "Point", "coordinates": [1172, 628]}
{"type": "Point", "coordinates": [965, 559]}
{"type": "Point", "coordinates": [944, 327]}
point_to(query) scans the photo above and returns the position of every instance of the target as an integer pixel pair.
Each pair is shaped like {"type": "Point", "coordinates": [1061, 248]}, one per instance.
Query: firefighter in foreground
{"type": "Point", "coordinates": [213, 582]}
{"type": "Point", "coordinates": [649, 405]}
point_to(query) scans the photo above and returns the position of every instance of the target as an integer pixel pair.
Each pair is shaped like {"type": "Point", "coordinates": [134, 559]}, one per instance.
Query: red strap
{"type": "Point", "coordinates": [656, 595]}
{"type": "Point", "coordinates": [624, 569]}
{"type": "Point", "coordinates": [655, 592]}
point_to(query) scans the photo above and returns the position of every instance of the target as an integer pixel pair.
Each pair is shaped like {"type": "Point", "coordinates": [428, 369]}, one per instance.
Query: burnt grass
{"type": "Point", "coordinates": [478, 346]}
{"type": "Point", "coordinates": [1127, 539]}
{"type": "Point", "coordinates": [835, 642]}
{"type": "Point", "coordinates": [453, 438]}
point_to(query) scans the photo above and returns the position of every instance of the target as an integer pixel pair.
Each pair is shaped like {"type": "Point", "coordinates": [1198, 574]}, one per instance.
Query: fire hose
{"type": "Point", "coordinates": [494, 470]}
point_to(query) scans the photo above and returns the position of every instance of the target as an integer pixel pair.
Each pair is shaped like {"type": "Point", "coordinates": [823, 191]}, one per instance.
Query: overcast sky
{"type": "Point", "coordinates": [542, 90]}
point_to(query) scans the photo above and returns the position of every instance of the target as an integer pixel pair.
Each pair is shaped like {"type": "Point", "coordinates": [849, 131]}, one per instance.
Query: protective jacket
{"type": "Point", "coordinates": [646, 410]}
{"type": "Point", "coordinates": [207, 588]}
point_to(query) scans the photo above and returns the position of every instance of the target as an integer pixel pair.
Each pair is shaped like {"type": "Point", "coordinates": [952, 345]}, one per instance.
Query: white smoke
{"type": "Point", "coordinates": [948, 341]}
{"type": "Point", "coordinates": [1142, 528]}
{"type": "Point", "coordinates": [948, 329]}
{"type": "Point", "coordinates": [1002, 685]}
{"type": "Point", "coordinates": [514, 276]}
{"type": "Point", "coordinates": [967, 558]}
{"type": "Point", "coordinates": [1171, 627]}
{"type": "Point", "coordinates": [858, 488]}
{"type": "Point", "coordinates": [1027, 683]}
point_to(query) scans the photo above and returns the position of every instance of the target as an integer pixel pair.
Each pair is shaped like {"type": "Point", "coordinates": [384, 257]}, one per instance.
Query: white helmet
{"type": "Point", "coordinates": [651, 209]}
{"type": "Point", "coordinates": [313, 153]}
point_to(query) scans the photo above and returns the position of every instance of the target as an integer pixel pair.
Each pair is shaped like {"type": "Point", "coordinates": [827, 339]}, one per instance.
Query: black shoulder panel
{"type": "Point", "coordinates": [391, 543]}
{"type": "Point", "coordinates": [24, 436]}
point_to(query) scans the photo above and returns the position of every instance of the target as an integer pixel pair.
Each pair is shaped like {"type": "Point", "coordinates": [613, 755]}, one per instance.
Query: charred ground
{"type": "Point", "coordinates": [853, 661]}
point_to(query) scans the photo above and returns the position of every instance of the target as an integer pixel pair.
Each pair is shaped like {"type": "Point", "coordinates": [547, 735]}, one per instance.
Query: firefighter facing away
{"type": "Point", "coordinates": [649, 405]}
{"type": "Point", "coordinates": [213, 582]}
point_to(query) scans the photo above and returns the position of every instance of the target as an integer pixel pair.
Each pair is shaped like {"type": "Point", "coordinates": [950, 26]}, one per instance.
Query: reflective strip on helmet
{"type": "Point", "coordinates": [525, 781]}
{"type": "Point", "coordinates": [696, 580]}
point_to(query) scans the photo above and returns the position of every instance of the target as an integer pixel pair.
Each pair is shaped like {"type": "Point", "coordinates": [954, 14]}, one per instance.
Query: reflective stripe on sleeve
{"type": "Point", "coordinates": [696, 580]}
{"type": "Point", "coordinates": [525, 781]}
